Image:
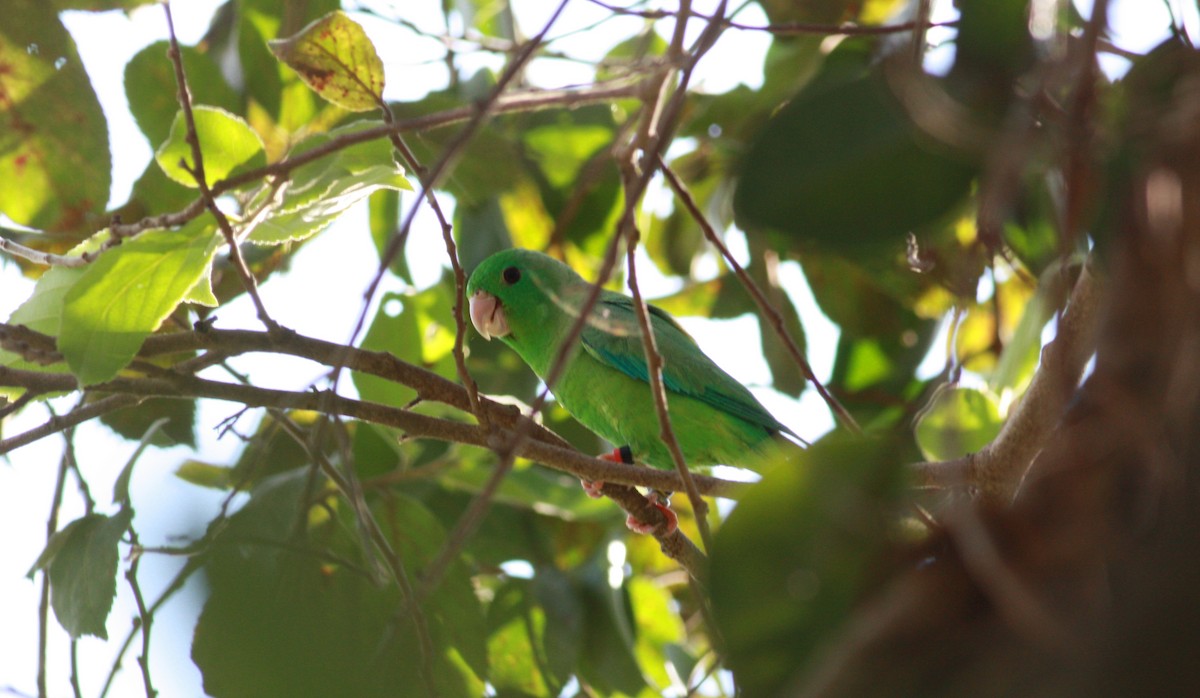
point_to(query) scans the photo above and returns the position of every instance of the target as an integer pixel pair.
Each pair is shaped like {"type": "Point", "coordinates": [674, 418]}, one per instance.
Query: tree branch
{"type": "Point", "coordinates": [132, 390]}
{"type": "Point", "coordinates": [760, 299]}
{"type": "Point", "coordinates": [996, 470]}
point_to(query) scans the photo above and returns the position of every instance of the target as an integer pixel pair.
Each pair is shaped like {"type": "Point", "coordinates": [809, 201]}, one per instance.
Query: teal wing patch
{"type": "Point", "coordinates": [612, 337]}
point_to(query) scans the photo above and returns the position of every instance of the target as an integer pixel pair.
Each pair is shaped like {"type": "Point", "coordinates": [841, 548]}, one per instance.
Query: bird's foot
{"type": "Point", "coordinates": [593, 488]}
{"type": "Point", "coordinates": [659, 500]}
{"type": "Point", "coordinates": [619, 455]}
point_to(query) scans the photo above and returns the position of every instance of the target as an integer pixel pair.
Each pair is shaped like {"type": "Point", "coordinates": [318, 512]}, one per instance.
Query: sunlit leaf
{"type": "Point", "coordinates": [337, 60]}
{"type": "Point", "coordinates": [42, 311]}
{"type": "Point", "coordinates": [217, 477]}
{"type": "Point", "coordinates": [323, 190]}
{"type": "Point", "coordinates": [126, 293]}
{"type": "Point", "coordinates": [54, 141]}
{"type": "Point", "coordinates": [227, 144]}
{"type": "Point", "coordinates": [1020, 357]}
{"type": "Point", "coordinates": [958, 421]}
{"type": "Point", "coordinates": [515, 639]}
{"type": "Point", "coordinates": [657, 625]}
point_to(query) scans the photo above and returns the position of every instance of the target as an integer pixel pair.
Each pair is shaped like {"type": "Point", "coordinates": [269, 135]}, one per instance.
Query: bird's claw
{"type": "Point", "coordinates": [625, 455]}
{"type": "Point", "coordinates": [593, 488]}
{"type": "Point", "coordinates": [638, 526]}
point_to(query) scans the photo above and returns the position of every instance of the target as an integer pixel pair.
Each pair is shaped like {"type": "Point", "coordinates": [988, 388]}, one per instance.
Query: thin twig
{"type": "Point", "coordinates": [769, 312]}
{"type": "Point", "coordinates": [16, 249]}
{"type": "Point", "coordinates": [370, 526]}
{"type": "Point", "coordinates": [470, 519]}
{"type": "Point", "coordinates": [417, 425]}
{"type": "Point", "coordinates": [660, 120]}
{"type": "Point", "coordinates": [449, 157]}
{"type": "Point", "coordinates": [74, 651]}
{"type": "Point", "coordinates": [460, 277]}
{"type": "Point", "coordinates": [654, 369]}
{"type": "Point", "coordinates": [527, 101]}
{"type": "Point", "coordinates": [781, 29]}
{"type": "Point", "coordinates": [51, 528]}
{"type": "Point", "coordinates": [76, 416]}
{"type": "Point", "coordinates": [197, 172]}
{"type": "Point", "coordinates": [176, 584]}
{"type": "Point", "coordinates": [144, 616]}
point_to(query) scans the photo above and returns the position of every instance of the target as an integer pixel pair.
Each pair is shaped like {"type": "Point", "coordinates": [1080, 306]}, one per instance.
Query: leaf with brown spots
{"type": "Point", "coordinates": [53, 137]}
{"type": "Point", "coordinates": [335, 57]}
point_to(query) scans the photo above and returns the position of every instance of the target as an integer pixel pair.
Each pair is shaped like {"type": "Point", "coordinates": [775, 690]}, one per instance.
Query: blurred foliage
{"type": "Point", "coordinates": [835, 164]}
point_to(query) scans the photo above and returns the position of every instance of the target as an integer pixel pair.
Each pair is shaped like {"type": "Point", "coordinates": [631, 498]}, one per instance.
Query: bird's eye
{"type": "Point", "coordinates": [512, 275]}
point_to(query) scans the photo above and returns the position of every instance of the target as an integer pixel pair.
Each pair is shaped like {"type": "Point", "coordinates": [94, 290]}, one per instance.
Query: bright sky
{"type": "Point", "coordinates": [167, 507]}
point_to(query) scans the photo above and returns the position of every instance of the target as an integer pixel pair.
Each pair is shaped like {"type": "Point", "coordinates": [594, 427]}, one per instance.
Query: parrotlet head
{"type": "Point", "coordinates": [514, 293]}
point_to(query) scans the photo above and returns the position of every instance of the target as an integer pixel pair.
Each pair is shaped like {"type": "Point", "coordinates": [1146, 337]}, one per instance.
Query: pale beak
{"type": "Point", "coordinates": [487, 315]}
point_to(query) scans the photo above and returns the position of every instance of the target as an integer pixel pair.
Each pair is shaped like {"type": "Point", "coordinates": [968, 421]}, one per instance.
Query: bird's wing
{"type": "Point", "coordinates": [613, 338]}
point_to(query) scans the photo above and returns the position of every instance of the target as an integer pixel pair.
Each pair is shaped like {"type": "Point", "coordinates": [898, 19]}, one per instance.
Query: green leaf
{"type": "Point", "coordinates": [55, 140]}
{"type": "Point", "coordinates": [202, 292]}
{"type": "Point", "coordinates": [126, 294]}
{"type": "Point", "coordinates": [217, 477]}
{"type": "Point", "coordinates": [155, 193]}
{"type": "Point", "coordinates": [490, 164]}
{"type": "Point", "coordinates": [323, 190]}
{"type": "Point", "coordinates": [814, 11]}
{"type": "Point", "coordinates": [99, 5]}
{"type": "Point", "coordinates": [227, 144]}
{"type": "Point", "coordinates": [548, 492]}
{"type": "Point", "coordinates": [564, 613]}
{"type": "Point", "coordinates": [957, 421]}
{"type": "Point", "coordinates": [842, 167]}
{"type": "Point", "coordinates": [262, 72]}
{"type": "Point", "coordinates": [658, 625]}
{"type": "Point", "coordinates": [417, 328]}
{"type": "Point", "coordinates": [796, 554]}
{"type": "Point", "coordinates": [377, 449]}
{"type": "Point", "coordinates": [578, 181]}
{"type": "Point", "coordinates": [480, 230]}
{"type": "Point", "coordinates": [298, 612]}
{"type": "Point", "coordinates": [515, 639]}
{"type": "Point", "coordinates": [82, 562]}
{"type": "Point", "coordinates": [994, 44]}
{"type": "Point", "coordinates": [334, 56]}
{"type": "Point", "coordinates": [608, 661]}
{"type": "Point", "coordinates": [133, 422]}
{"type": "Point", "coordinates": [788, 378]}
{"type": "Point", "coordinates": [384, 215]}
{"type": "Point", "coordinates": [152, 94]}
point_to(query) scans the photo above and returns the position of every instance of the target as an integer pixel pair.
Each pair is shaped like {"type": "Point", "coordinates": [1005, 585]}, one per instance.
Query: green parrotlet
{"type": "Point", "coordinates": [529, 301]}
